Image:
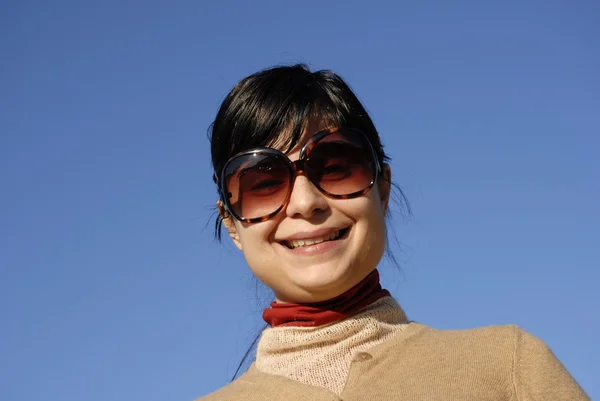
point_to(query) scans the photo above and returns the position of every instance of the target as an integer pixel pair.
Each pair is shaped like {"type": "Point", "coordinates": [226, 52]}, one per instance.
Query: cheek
{"type": "Point", "coordinates": [253, 235]}
{"type": "Point", "coordinates": [256, 245]}
{"type": "Point", "coordinates": [370, 221]}
{"type": "Point", "coordinates": [367, 209]}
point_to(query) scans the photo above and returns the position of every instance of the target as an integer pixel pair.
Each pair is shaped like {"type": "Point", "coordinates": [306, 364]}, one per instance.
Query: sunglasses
{"type": "Point", "coordinates": [256, 184]}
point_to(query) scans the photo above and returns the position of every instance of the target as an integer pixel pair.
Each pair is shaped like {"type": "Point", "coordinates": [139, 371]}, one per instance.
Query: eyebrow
{"type": "Point", "coordinates": [333, 149]}
{"type": "Point", "coordinates": [257, 167]}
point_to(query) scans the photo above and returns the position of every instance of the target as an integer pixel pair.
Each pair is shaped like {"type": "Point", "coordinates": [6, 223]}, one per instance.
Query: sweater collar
{"type": "Point", "coordinates": [321, 355]}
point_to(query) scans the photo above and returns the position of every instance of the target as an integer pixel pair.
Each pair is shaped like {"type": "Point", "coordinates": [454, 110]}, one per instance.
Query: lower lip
{"type": "Point", "coordinates": [314, 249]}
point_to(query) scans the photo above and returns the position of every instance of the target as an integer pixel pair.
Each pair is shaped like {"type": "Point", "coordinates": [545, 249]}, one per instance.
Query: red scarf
{"type": "Point", "coordinates": [320, 313]}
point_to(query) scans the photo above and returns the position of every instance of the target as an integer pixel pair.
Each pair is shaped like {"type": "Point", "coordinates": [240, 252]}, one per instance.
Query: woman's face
{"type": "Point", "coordinates": [279, 251]}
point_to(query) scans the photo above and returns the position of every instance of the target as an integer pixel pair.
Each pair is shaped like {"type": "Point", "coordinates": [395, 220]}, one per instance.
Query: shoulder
{"type": "Point", "coordinates": [230, 391]}
{"type": "Point", "coordinates": [500, 339]}
{"type": "Point", "coordinates": [481, 359]}
{"type": "Point", "coordinates": [485, 353]}
{"type": "Point", "coordinates": [243, 388]}
{"type": "Point", "coordinates": [510, 332]}
{"type": "Point", "coordinates": [508, 344]}
{"type": "Point", "coordinates": [481, 351]}
{"type": "Point", "coordinates": [507, 354]}
{"type": "Point", "coordinates": [255, 385]}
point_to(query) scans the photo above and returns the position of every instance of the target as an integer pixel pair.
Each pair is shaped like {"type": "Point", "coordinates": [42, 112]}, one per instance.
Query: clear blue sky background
{"type": "Point", "coordinates": [111, 288]}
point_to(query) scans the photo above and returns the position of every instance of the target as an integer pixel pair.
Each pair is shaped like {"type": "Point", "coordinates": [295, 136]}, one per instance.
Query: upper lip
{"type": "Point", "coordinates": [304, 235]}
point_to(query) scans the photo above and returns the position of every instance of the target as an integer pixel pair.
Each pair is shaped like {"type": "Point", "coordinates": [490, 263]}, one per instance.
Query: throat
{"type": "Point", "coordinates": [321, 313]}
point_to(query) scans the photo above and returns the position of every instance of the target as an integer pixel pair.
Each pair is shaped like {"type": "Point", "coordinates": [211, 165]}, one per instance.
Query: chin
{"type": "Point", "coordinates": [321, 283]}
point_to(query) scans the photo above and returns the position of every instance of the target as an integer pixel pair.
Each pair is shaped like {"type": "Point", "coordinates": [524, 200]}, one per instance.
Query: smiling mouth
{"type": "Point", "coordinates": [293, 244]}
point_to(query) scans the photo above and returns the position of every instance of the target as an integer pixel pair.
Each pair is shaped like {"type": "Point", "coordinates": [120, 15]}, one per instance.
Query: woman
{"type": "Point", "coordinates": [304, 189]}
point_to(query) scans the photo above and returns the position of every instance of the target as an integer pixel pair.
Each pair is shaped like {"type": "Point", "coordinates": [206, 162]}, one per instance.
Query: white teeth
{"type": "Point", "coordinates": [312, 241]}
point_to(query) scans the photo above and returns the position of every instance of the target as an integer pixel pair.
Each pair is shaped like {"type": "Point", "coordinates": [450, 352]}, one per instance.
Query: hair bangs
{"type": "Point", "coordinates": [312, 112]}
{"type": "Point", "coordinates": [272, 108]}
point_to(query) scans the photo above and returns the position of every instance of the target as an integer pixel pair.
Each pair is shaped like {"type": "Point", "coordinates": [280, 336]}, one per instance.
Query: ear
{"type": "Point", "coordinates": [229, 224]}
{"type": "Point", "coordinates": [385, 187]}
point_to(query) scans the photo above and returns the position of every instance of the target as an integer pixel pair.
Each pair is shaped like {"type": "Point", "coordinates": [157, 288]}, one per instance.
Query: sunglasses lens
{"type": "Point", "coordinates": [341, 163]}
{"type": "Point", "coordinates": [256, 184]}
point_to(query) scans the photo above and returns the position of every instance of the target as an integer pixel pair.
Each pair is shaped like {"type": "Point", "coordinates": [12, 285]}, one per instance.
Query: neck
{"type": "Point", "coordinates": [321, 313]}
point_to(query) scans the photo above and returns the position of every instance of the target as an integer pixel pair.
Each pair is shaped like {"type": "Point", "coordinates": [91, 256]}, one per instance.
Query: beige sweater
{"type": "Point", "coordinates": [378, 355]}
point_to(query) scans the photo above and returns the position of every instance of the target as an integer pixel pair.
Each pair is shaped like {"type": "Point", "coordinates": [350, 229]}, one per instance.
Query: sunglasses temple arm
{"type": "Point", "coordinates": [220, 192]}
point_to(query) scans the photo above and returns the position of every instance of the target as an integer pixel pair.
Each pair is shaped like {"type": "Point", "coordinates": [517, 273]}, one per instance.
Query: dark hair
{"type": "Point", "coordinates": [284, 99]}
{"type": "Point", "coordinates": [265, 105]}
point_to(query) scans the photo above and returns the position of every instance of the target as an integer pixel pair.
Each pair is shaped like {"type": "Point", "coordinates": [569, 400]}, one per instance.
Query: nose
{"type": "Point", "coordinates": [305, 200]}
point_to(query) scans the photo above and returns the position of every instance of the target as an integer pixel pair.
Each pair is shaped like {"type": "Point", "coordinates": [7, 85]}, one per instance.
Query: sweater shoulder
{"type": "Point", "coordinates": [242, 388]}
{"type": "Point", "coordinates": [233, 391]}
{"type": "Point", "coordinates": [482, 343]}
{"type": "Point", "coordinates": [255, 385]}
{"type": "Point", "coordinates": [485, 354]}
{"type": "Point", "coordinates": [503, 336]}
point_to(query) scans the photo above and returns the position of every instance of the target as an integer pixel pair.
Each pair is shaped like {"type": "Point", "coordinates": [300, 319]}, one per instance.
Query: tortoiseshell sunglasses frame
{"type": "Point", "coordinates": [296, 168]}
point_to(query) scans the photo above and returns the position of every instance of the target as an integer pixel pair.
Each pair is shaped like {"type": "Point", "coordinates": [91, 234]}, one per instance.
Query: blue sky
{"type": "Point", "coordinates": [111, 287]}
